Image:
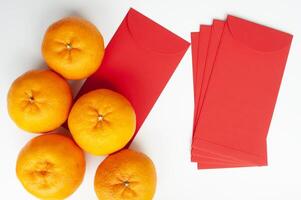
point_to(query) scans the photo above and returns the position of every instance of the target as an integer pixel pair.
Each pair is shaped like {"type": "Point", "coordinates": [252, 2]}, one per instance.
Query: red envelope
{"type": "Point", "coordinates": [206, 40]}
{"type": "Point", "coordinates": [138, 62]}
{"type": "Point", "coordinates": [242, 91]}
{"type": "Point", "coordinates": [201, 42]}
{"type": "Point", "coordinates": [216, 33]}
{"type": "Point", "coordinates": [194, 54]}
{"type": "Point", "coordinates": [214, 40]}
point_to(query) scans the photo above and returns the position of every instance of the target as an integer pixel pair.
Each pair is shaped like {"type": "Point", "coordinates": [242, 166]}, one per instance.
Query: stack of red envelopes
{"type": "Point", "coordinates": [237, 70]}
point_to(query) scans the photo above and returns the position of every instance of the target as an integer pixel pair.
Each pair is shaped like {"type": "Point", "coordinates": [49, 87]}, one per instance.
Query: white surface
{"type": "Point", "coordinates": [166, 134]}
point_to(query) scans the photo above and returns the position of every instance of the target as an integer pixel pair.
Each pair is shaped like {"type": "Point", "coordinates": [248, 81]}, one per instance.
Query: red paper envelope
{"type": "Point", "coordinates": [138, 62]}
{"type": "Point", "coordinates": [216, 33]}
{"type": "Point", "coordinates": [207, 41]}
{"type": "Point", "coordinates": [242, 91]}
{"type": "Point", "coordinates": [200, 41]}
{"type": "Point", "coordinates": [199, 57]}
{"type": "Point", "coordinates": [194, 54]}
{"type": "Point", "coordinates": [199, 154]}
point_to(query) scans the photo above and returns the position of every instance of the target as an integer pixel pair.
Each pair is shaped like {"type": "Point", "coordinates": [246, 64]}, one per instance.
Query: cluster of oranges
{"type": "Point", "coordinates": [101, 122]}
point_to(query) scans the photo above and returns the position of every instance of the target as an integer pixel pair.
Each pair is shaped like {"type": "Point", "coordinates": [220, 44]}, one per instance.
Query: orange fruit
{"type": "Point", "coordinates": [102, 121]}
{"type": "Point", "coordinates": [51, 166]}
{"type": "Point", "coordinates": [73, 47]}
{"type": "Point", "coordinates": [126, 175]}
{"type": "Point", "coordinates": [39, 101]}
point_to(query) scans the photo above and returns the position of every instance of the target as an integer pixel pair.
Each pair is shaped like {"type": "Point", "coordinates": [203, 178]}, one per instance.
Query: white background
{"type": "Point", "coordinates": [166, 134]}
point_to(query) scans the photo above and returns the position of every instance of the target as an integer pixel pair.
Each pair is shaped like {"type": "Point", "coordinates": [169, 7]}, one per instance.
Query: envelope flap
{"type": "Point", "coordinates": [152, 36]}
{"type": "Point", "coordinates": [258, 37]}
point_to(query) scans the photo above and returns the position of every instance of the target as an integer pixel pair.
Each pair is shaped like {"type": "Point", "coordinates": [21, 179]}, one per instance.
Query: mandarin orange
{"type": "Point", "coordinates": [102, 121]}
{"type": "Point", "coordinates": [73, 47]}
{"type": "Point", "coordinates": [51, 166]}
{"type": "Point", "coordinates": [39, 101]}
{"type": "Point", "coordinates": [126, 175]}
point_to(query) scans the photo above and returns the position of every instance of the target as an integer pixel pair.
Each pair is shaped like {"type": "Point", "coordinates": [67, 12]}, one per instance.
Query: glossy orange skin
{"type": "Point", "coordinates": [126, 175]}
{"type": "Point", "coordinates": [73, 47]}
{"type": "Point", "coordinates": [102, 122]}
{"type": "Point", "coordinates": [39, 101]}
{"type": "Point", "coordinates": [51, 166]}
